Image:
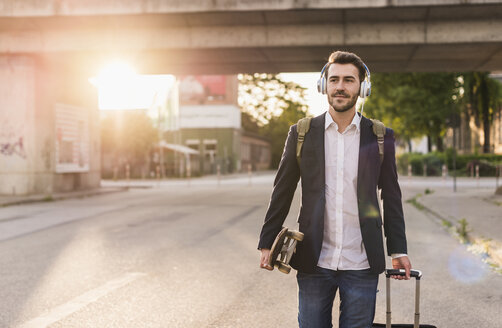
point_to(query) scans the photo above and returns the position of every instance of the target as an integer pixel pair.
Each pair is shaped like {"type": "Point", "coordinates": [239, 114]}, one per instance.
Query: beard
{"type": "Point", "coordinates": [342, 107]}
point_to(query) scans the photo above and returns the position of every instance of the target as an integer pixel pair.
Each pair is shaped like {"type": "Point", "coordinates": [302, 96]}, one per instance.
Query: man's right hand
{"type": "Point", "coordinates": [265, 256]}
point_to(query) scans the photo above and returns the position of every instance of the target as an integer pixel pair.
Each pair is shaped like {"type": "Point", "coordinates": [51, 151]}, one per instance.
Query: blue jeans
{"type": "Point", "coordinates": [317, 292]}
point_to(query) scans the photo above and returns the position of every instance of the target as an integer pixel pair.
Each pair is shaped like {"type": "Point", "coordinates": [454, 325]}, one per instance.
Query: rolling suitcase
{"type": "Point", "coordinates": [414, 274]}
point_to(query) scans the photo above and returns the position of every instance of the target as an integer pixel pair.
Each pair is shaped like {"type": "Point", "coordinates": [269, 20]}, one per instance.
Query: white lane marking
{"type": "Point", "coordinates": [81, 301]}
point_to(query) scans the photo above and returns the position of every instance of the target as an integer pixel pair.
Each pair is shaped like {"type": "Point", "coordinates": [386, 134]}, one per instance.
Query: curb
{"type": "Point", "coordinates": [56, 197]}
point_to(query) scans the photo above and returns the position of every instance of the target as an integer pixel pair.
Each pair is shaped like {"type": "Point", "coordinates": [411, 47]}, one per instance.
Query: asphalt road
{"type": "Point", "coordinates": [185, 256]}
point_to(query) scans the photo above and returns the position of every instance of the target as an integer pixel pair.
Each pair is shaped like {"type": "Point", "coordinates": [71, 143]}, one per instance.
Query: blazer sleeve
{"type": "Point", "coordinates": [285, 183]}
{"type": "Point", "coordinates": [394, 226]}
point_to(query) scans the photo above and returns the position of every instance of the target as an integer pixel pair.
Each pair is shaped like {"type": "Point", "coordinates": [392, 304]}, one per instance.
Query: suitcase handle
{"type": "Point", "coordinates": [417, 274]}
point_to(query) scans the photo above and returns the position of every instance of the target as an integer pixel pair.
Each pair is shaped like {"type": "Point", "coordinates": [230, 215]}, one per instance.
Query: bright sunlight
{"type": "Point", "coordinates": [120, 87]}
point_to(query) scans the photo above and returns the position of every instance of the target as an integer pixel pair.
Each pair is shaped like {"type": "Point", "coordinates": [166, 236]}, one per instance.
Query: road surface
{"type": "Point", "coordinates": [179, 255]}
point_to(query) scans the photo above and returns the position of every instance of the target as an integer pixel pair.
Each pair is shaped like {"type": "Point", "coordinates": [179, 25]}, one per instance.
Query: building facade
{"type": "Point", "coordinates": [209, 123]}
{"type": "Point", "coordinates": [255, 152]}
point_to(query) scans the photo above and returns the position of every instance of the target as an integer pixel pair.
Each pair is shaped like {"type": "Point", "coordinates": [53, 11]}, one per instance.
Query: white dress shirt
{"type": "Point", "coordinates": [342, 245]}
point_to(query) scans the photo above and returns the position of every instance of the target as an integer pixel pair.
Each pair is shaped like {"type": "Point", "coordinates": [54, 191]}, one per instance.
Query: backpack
{"type": "Point", "coordinates": [303, 127]}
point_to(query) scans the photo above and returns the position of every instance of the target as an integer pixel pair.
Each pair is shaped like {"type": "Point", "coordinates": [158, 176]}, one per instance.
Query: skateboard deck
{"type": "Point", "coordinates": [283, 248]}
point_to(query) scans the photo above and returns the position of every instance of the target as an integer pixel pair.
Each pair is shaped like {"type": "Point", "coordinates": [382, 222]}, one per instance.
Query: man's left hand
{"type": "Point", "coordinates": [402, 262]}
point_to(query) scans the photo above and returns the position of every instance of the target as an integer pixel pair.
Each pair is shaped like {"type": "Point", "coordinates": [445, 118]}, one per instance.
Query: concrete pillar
{"type": "Point", "coordinates": [33, 88]}
{"type": "Point", "coordinates": [66, 88]}
{"type": "Point", "coordinates": [18, 152]}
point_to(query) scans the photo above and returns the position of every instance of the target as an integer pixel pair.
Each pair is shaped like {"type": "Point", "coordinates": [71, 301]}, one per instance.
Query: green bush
{"type": "Point", "coordinates": [435, 160]}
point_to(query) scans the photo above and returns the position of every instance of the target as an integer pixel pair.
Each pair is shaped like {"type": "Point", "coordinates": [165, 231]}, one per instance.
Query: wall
{"type": "Point", "coordinates": [227, 149]}
{"type": "Point", "coordinates": [69, 85]}
{"type": "Point", "coordinates": [31, 89]}
{"type": "Point", "coordinates": [18, 153]}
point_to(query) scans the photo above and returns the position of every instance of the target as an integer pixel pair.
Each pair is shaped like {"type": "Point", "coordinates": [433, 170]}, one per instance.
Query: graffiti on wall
{"type": "Point", "coordinates": [13, 148]}
{"type": "Point", "coordinates": [11, 139]}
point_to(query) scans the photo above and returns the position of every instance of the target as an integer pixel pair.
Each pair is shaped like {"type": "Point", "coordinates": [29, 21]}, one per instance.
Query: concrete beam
{"type": "Point", "coordinates": [242, 36]}
{"type": "Point", "coordinates": [30, 8]}
{"type": "Point", "coordinates": [384, 33]}
{"type": "Point", "coordinates": [248, 18]}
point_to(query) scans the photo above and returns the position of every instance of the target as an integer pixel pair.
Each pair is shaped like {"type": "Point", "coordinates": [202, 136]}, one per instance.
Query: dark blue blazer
{"type": "Point", "coordinates": [371, 174]}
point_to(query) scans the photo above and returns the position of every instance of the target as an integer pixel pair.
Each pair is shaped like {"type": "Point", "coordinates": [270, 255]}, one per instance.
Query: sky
{"type": "Point", "coordinates": [121, 88]}
{"type": "Point", "coordinates": [317, 102]}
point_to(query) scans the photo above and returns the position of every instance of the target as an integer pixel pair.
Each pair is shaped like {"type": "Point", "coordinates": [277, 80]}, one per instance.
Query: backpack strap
{"type": "Point", "coordinates": [379, 131]}
{"type": "Point", "coordinates": [302, 128]}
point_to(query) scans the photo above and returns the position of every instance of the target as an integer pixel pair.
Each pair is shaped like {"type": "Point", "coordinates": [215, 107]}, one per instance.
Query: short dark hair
{"type": "Point", "coordinates": [344, 57]}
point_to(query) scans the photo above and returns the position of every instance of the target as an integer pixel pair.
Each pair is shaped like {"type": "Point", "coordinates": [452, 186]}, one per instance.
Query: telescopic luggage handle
{"type": "Point", "coordinates": [401, 272]}
{"type": "Point", "coordinates": [417, 274]}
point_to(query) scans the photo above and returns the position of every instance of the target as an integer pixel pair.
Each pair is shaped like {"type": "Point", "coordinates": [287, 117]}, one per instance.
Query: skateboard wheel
{"type": "Point", "coordinates": [296, 235]}
{"type": "Point", "coordinates": [283, 267]}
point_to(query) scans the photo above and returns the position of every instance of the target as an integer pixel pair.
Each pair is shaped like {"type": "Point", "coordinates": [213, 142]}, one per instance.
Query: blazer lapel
{"type": "Point", "coordinates": [317, 131]}
{"type": "Point", "coordinates": [364, 148]}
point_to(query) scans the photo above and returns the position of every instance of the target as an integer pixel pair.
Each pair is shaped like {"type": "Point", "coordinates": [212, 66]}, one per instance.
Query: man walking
{"type": "Point", "coordinates": [340, 171]}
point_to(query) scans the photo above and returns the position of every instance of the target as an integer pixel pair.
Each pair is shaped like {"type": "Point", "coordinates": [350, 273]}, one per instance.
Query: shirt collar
{"type": "Point", "coordinates": [356, 121]}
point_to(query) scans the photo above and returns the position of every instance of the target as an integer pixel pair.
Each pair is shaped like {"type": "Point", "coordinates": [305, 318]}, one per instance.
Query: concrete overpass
{"type": "Point", "coordinates": [231, 36]}
{"type": "Point", "coordinates": [49, 49]}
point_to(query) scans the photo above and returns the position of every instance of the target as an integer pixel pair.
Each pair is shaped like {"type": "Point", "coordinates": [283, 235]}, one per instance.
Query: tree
{"type": "Point", "coordinates": [482, 98]}
{"type": "Point", "coordinates": [277, 128]}
{"type": "Point", "coordinates": [128, 137]}
{"type": "Point", "coordinates": [269, 107]}
{"type": "Point", "coordinates": [264, 96]}
{"type": "Point", "coordinates": [249, 123]}
{"type": "Point", "coordinates": [415, 104]}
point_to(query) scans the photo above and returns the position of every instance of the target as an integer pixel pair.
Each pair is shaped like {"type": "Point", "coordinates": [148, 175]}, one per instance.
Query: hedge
{"type": "Point", "coordinates": [435, 160]}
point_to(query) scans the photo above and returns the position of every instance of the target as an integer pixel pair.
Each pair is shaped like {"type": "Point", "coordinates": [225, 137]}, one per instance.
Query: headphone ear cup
{"type": "Point", "coordinates": [362, 89]}
{"type": "Point", "coordinates": [365, 89]}
{"type": "Point", "coordinates": [321, 85]}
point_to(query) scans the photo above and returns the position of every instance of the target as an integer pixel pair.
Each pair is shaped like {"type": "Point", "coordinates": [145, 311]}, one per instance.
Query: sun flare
{"type": "Point", "coordinates": [120, 87]}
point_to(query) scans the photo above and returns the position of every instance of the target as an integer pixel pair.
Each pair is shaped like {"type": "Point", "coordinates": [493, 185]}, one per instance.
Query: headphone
{"type": "Point", "coordinates": [365, 85]}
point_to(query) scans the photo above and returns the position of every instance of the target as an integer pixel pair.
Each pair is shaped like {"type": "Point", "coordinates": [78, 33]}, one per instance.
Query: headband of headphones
{"type": "Point", "coordinates": [365, 89]}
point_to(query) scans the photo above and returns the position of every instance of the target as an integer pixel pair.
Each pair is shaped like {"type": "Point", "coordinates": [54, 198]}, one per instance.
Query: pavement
{"type": "Point", "coordinates": [472, 214]}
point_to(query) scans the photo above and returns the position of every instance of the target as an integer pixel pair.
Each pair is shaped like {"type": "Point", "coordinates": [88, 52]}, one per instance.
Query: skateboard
{"type": "Point", "coordinates": [283, 248]}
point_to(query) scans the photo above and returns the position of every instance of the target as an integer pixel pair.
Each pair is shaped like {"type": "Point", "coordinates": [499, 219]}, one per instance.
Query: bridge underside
{"type": "Point", "coordinates": [380, 58]}
{"type": "Point", "coordinates": [262, 38]}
